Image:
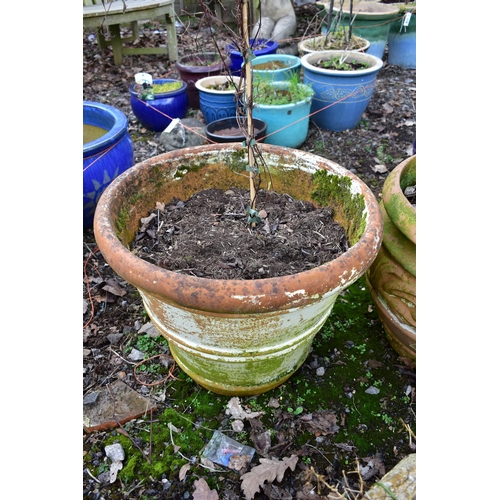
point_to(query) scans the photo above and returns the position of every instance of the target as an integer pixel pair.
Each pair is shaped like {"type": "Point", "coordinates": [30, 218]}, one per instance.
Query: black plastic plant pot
{"type": "Point", "coordinates": [231, 129]}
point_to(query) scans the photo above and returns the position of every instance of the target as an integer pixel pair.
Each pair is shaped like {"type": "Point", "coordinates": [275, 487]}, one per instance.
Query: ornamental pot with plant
{"type": "Point", "coordinates": [258, 47]}
{"type": "Point", "coordinates": [218, 97]}
{"type": "Point", "coordinates": [275, 67]}
{"type": "Point", "coordinates": [156, 105]}
{"type": "Point", "coordinates": [237, 336]}
{"type": "Point", "coordinates": [194, 67]}
{"type": "Point", "coordinates": [392, 278]}
{"type": "Point", "coordinates": [285, 106]}
{"type": "Point", "coordinates": [343, 84]}
{"type": "Point", "coordinates": [369, 20]}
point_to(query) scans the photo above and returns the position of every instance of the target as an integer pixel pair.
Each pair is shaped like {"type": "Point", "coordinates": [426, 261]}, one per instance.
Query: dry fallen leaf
{"type": "Point", "coordinates": [203, 492]}
{"type": "Point", "coordinates": [380, 169]}
{"type": "Point", "coordinates": [268, 470]}
{"type": "Point", "coordinates": [183, 471]}
{"type": "Point", "coordinates": [236, 410]}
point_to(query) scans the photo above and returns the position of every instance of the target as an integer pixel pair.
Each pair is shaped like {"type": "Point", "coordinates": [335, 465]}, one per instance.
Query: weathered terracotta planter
{"type": "Point", "coordinates": [392, 277]}
{"type": "Point", "coordinates": [237, 337]}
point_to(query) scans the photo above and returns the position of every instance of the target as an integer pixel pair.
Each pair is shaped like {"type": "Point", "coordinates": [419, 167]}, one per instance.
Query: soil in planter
{"type": "Point", "coordinates": [208, 236]}
{"type": "Point", "coordinates": [270, 65]}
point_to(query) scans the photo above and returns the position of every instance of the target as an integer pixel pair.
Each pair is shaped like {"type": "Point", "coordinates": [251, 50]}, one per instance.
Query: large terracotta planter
{"type": "Point", "coordinates": [392, 277]}
{"type": "Point", "coordinates": [237, 337]}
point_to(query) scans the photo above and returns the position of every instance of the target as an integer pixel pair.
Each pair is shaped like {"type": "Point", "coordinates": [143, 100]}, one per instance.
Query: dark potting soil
{"type": "Point", "coordinates": [209, 236]}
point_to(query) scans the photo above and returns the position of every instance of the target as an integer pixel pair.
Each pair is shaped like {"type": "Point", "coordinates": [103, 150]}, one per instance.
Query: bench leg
{"type": "Point", "coordinates": [171, 35]}
{"type": "Point", "coordinates": [116, 43]}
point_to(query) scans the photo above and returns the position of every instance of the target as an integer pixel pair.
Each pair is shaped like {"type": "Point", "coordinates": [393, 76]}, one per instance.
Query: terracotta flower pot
{"type": "Point", "coordinates": [392, 276]}
{"type": "Point", "coordinates": [237, 337]}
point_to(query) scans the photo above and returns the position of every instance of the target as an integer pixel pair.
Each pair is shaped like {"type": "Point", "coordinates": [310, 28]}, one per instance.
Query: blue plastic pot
{"type": "Point", "coordinates": [287, 124]}
{"type": "Point", "coordinates": [107, 152]}
{"type": "Point", "coordinates": [372, 26]}
{"type": "Point", "coordinates": [217, 104]}
{"type": "Point", "coordinates": [402, 43]}
{"type": "Point", "coordinates": [279, 74]}
{"type": "Point", "coordinates": [340, 97]}
{"type": "Point", "coordinates": [157, 114]}
{"type": "Point", "coordinates": [259, 47]}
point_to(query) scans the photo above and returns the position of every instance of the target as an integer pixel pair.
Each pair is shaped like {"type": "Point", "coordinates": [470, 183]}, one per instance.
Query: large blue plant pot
{"type": "Point", "coordinates": [402, 43]}
{"type": "Point", "coordinates": [107, 152]}
{"type": "Point", "coordinates": [217, 104]}
{"type": "Point", "coordinates": [156, 115]}
{"type": "Point", "coordinates": [372, 26]}
{"type": "Point", "coordinates": [340, 97]}
{"type": "Point", "coordinates": [292, 67]}
{"type": "Point", "coordinates": [287, 124]}
{"type": "Point", "coordinates": [258, 46]}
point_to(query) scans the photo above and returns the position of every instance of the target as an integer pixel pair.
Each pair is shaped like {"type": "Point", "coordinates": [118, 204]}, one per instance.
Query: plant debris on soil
{"type": "Point", "coordinates": [291, 236]}
{"type": "Point", "coordinates": [343, 420]}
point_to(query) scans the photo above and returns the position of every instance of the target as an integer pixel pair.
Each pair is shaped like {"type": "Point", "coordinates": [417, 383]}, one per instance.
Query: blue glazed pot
{"type": "Point", "coordinates": [373, 26]}
{"type": "Point", "coordinates": [340, 97]}
{"type": "Point", "coordinates": [402, 43]}
{"type": "Point", "coordinates": [287, 124]}
{"type": "Point", "coordinates": [107, 152]}
{"type": "Point", "coordinates": [259, 47]}
{"type": "Point", "coordinates": [217, 104]}
{"type": "Point", "coordinates": [157, 114]}
{"type": "Point", "coordinates": [292, 67]}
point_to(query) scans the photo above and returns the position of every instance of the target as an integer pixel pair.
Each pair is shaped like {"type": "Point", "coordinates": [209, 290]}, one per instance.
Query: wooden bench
{"type": "Point", "coordinates": [98, 15]}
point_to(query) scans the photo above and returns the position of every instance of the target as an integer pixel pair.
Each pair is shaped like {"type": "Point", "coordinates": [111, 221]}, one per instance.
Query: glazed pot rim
{"type": "Point", "coordinates": [118, 129]}
{"type": "Point", "coordinates": [303, 44]}
{"type": "Point", "coordinates": [163, 95]}
{"type": "Point", "coordinates": [269, 44]}
{"type": "Point", "coordinates": [386, 11]}
{"type": "Point", "coordinates": [376, 63]}
{"type": "Point", "coordinates": [269, 294]}
{"type": "Point", "coordinates": [260, 125]}
{"type": "Point", "coordinates": [200, 84]}
{"type": "Point", "coordinates": [182, 64]}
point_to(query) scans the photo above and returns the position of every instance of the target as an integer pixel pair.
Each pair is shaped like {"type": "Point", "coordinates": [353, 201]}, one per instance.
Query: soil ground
{"type": "Point", "coordinates": [348, 413]}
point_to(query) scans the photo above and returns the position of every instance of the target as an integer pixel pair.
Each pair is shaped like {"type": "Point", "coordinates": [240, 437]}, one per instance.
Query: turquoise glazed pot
{"type": "Point", "coordinates": [262, 67]}
{"type": "Point", "coordinates": [107, 152]}
{"type": "Point", "coordinates": [403, 43]}
{"type": "Point", "coordinates": [156, 115]}
{"type": "Point", "coordinates": [258, 46]}
{"type": "Point", "coordinates": [287, 124]}
{"type": "Point", "coordinates": [340, 97]}
{"type": "Point", "coordinates": [217, 104]}
{"type": "Point", "coordinates": [372, 22]}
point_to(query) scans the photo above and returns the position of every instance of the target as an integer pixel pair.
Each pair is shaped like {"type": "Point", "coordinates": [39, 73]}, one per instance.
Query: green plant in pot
{"type": "Point", "coordinates": [285, 107]}
{"type": "Point", "coordinates": [238, 336]}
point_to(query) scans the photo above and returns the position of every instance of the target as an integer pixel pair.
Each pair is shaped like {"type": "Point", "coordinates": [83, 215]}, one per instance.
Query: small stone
{"type": "Point", "coordinates": [115, 452]}
{"type": "Point", "coordinates": [372, 390]}
{"type": "Point", "coordinates": [188, 132]}
{"type": "Point", "coordinates": [91, 398]}
{"type": "Point", "coordinates": [150, 330]}
{"type": "Point", "coordinates": [320, 371]}
{"type": "Point", "coordinates": [136, 355]}
{"type": "Point", "coordinates": [114, 338]}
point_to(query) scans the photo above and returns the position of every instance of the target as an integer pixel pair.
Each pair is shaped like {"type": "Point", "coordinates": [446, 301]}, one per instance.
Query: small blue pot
{"type": "Point", "coordinates": [104, 157]}
{"type": "Point", "coordinates": [287, 124]}
{"type": "Point", "coordinates": [402, 43]}
{"type": "Point", "coordinates": [276, 75]}
{"type": "Point", "coordinates": [217, 104]}
{"type": "Point", "coordinates": [264, 47]}
{"type": "Point", "coordinates": [157, 114]}
{"type": "Point", "coordinates": [340, 97]}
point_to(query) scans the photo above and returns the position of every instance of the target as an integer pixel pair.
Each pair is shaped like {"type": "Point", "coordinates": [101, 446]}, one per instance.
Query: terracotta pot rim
{"type": "Point", "coordinates": [249, 295]}
{"type": "Point", "coordinates": [392, 193]}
